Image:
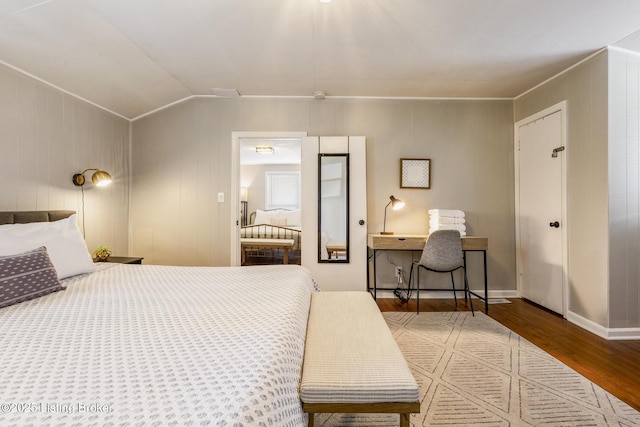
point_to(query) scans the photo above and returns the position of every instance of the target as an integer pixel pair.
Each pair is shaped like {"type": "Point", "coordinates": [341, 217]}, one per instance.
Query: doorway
{"type": "Point", "coordinates": [541, 226]}
{"type": "Point", "coordinates": [270, 200]}
{"type": "Point", "coordinates": [331, 275]}
{"type": "Point", "coordinates": [238, 194]}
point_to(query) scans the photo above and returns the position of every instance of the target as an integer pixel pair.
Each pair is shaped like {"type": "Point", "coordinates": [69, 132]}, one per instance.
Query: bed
{"type": "Point", "coordinates": [158, 345]}
{"type": "Point", "coordinates": [266, 226]}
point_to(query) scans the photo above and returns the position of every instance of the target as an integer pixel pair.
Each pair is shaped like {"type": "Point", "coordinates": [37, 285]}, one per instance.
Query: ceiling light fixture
{"type": "Point", "coordinates": [264, 149]}
{"type": "Point", "coordinates": [325, 1]}
{"type": "Point", "coordinates": [319, 94]}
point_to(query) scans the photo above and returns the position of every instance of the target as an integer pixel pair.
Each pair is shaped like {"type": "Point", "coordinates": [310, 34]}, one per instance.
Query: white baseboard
{"type": "Point", "coordinates": [602, 331]}
{"type": "Point", "coordinates": [587, 324]}
{"type": "Point", "coordinates": [498, 293]}
{"type": "Point", "coordinates": [623, 334]}
{"type": "Point", "coordinates": [576, 319]}
{"type": "Point", "coordinates": [449, 294]}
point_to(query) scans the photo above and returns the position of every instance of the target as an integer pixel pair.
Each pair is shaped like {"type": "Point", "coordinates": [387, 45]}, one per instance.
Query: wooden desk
{"type": "Point", "coordinates": [415, 242]}
{"type": "Point", "coordinates": [336, 247]}
{"type": "Point", "coordinates": [283, 244]}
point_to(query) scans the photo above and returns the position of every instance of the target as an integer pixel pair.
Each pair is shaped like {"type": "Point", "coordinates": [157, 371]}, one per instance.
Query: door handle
{"type": "Point", "coordinates": [555, 151]}
{"type": "Point", "coordinates": [555, 224]}
{"type": "Point", "coordinates": [361, 222]}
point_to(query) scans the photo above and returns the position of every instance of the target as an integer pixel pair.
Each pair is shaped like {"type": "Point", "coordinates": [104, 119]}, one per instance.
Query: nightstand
{"type": "Point", "coordinates": [124, 259]}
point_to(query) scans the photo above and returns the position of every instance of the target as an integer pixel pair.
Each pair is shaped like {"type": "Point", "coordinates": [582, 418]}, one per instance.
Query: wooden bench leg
{"type": "Point", "coordinates": [405, 419]}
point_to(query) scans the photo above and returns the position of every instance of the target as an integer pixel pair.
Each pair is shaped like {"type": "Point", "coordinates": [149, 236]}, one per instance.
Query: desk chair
{"type": "Point", "coordinates": [442, 253]}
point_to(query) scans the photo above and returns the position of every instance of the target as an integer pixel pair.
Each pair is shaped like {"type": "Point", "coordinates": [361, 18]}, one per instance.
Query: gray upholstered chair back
{"type": "Point", "coordinates": [443, 251]}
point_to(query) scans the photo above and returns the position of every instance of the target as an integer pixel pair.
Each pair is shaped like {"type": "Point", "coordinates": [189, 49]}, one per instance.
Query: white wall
{"type": "Point", "coordinates": [585, 89]}
{"type": "Point", "coordinates": [182, 155]}
{"type": "Point", "coordinates": [624, 189]}
{"type": "Point", "coordinates": [603, 176]}
{"type": "Point", "coordinates": [46, 136]}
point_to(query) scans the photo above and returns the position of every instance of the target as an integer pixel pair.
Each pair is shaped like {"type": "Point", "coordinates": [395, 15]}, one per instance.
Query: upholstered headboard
{"type": "Point", "coordinates": [23, 217]}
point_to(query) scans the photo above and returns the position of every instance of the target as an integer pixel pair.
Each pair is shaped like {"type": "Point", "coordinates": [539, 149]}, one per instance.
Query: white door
{"type": "Point", "coordinates": [336, 276]}
{"type": "Point", "coordinates": [541, 222]}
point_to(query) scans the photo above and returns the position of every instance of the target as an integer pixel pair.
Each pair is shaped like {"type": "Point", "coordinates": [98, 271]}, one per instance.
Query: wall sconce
{"type": "Point", "coordinates": [99, 177]}
{"type": "Point", "coordinates": [395, 204]}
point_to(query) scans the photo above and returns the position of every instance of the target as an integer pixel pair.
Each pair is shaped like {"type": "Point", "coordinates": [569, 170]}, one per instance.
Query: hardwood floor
{"type": "Point", "coordinates": [613, 365]}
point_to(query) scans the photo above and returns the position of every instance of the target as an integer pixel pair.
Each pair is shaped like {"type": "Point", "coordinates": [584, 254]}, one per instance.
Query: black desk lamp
{"type": "Point", "coordinates": [395, 204]}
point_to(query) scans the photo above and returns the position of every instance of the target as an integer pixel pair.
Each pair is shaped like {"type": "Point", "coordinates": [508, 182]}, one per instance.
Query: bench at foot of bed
{"type": "Point", "coordinates": [352, 363]}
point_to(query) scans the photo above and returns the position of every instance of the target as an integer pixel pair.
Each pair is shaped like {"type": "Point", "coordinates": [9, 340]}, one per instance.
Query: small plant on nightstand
{"type": "Point", "coordinates": [102, 253]}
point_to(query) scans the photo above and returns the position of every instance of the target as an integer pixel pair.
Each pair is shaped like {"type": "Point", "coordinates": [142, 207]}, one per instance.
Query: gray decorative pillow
{"type": "Point", "coordinates": [27, 276]}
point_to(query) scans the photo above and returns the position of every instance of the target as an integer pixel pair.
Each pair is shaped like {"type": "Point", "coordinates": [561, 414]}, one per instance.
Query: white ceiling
{"type": "Point", "coordinates": [134, 56]}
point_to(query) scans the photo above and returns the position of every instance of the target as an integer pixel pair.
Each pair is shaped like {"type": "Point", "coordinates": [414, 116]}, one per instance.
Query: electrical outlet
{"type": "Point", "coordinates": [220, 197]}
{"type": "Point", "coordinates": [399, 274]}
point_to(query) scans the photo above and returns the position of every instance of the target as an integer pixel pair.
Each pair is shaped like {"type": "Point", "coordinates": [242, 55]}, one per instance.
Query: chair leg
{"type": "Point", "coordinates": [465, 286]}
{"type": "Point", "coordinates": [453, 286]}
{"type": "Point", "coordinates": [410, 286]}
{"type": "Point", "coordinates": [467, 292]}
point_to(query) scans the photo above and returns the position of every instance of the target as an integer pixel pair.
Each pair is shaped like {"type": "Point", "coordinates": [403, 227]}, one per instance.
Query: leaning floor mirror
{"type": "Point", "coordinates": [333, 207]}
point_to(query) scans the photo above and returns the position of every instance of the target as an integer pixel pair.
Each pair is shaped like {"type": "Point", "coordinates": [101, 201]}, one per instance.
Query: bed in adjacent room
{"type": "Point", "coordinates": [153, 345]}
{"type": "Point", "coordinates": [272, 235]}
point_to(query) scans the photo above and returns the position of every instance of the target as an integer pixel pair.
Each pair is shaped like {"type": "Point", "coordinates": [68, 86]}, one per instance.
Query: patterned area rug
{"type": "Point", "coordinates": [472, 371]}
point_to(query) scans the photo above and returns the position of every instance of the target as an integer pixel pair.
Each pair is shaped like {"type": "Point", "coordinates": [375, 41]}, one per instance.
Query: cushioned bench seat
{"type": "Point", "coordinates": [352, 364]}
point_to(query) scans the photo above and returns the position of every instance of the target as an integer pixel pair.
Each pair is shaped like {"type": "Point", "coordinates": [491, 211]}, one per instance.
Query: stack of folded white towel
{"type": "Point", "coordinates": [447, 219]}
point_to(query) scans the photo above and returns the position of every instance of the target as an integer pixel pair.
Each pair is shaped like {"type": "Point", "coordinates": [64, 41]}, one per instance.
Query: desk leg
{"type": "Point", "coordinates": [286, 255]}
{"type": "Point", "coordinates": [486, 290]}
{"type": "Point", "coordinates": [368, 275]}
{"type": "Point", "coordinates": [375, 296]}
{"type": "Point", "coordinates": [243, 255]}
{"type": "Point", "coordinates": [464, 265]}
{"type": "Point", "coordinates": [486, 287]}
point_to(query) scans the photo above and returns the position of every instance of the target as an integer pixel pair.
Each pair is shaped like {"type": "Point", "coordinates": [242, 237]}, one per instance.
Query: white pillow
{"type": "Point", "coordinates": [280, 222]}
{"type": "Point", "coordinates": [63, 240]}
{"type": "Point", "coordinates": [262, 217]}
{"type": "Point", "coordinates": [294, 218]}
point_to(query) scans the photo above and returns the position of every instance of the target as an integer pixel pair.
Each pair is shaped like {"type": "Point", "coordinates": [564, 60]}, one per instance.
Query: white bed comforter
{"type": "Point", "coordinates": [155, 346]}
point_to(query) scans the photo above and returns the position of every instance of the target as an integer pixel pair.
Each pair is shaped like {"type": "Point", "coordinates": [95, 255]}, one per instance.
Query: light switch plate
{"type": "Point", "coordinates": [220, 197]}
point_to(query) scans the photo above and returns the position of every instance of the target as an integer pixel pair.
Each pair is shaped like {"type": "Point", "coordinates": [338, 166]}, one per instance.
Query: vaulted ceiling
{"type": "Point", "coordinates": [134, 56]}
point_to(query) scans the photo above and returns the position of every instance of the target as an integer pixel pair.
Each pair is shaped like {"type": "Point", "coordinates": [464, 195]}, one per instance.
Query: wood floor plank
{"type": "Point", "coordinates": [613, 365]}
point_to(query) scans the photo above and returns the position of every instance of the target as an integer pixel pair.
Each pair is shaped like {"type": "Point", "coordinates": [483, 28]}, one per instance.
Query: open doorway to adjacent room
{"type": "Point", "coordinates": [270, 208]}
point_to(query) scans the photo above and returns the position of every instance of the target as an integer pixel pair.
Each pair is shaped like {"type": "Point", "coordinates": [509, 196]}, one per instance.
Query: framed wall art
{"type": "Point", "coordinates": [415, 173]}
